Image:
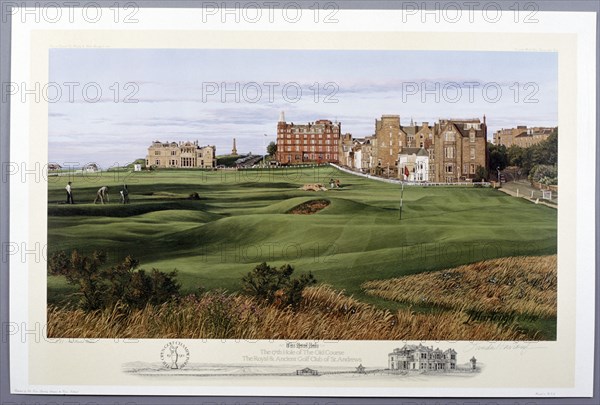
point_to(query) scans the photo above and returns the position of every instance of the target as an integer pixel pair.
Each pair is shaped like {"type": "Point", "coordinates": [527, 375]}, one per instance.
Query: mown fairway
{"type": "Point", "coordinates": [240, 220]}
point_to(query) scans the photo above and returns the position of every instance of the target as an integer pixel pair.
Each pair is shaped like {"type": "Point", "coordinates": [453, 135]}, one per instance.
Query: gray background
{"type": "Point", "coordinates": [5, 47]}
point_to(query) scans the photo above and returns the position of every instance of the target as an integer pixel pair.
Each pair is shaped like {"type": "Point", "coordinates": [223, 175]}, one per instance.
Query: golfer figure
{"type": "Point", "coordinates": [69, 194]}
{"type": "Point", "coordinates": [174, 357]}
{"type": "Point", "coordinates": [124, 195]}
{"type": "Point", "coordinates": [101, 195]}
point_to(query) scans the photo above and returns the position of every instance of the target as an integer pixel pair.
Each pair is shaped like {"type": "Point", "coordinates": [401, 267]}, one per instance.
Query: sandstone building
{"type": "Point", "coordinates": [459, 148]}
{"type": "Point", "coordinates": [181, 155]}
{"type": "Point", "coordinates": [522, 136]}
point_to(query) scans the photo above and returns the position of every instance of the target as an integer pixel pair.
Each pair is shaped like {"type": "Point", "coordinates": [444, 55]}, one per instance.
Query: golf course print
{"type": "Point", "coordinates": [241, 254]}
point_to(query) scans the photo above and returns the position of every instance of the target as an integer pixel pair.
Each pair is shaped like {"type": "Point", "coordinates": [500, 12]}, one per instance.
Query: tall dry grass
{"type": "Point", "coordinates": [324, 314]}
{"type": "Point", "coordinates": [519, 285]}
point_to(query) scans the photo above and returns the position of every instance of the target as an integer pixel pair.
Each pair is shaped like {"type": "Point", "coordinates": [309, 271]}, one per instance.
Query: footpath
{"type": "Point", "coordinates": [524, 190]}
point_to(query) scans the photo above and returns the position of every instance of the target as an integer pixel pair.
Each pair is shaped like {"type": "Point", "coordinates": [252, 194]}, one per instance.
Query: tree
{"type": "Point", "coordinates": [272, 149]}
{"type": "Point", "coordinates": [275, 285]}
{"type": "Point", "coordinates": [481, 174]}
{"type": "Point", "coordinates": [498, 156]}
{"type": "Point", "coordinates": [543, 153]}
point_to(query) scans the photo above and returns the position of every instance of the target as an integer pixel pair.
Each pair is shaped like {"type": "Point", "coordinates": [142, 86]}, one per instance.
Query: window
{"type": "Point", "coordinates": [449, 152]}
{"type": "Point", "coordinates": [449, 169]}
{"type": "Point", "coordinates": [449, 136]}
{"type": "Point", "coordinates": [472, 152]}
{"type": "Point", "coordinates": [157, 162]}
{"type": "Point", "coordinates": [173, 153]}
{"type": "Point", "coordinates": [156, 152]}
{"type": "Point", "coordinates": [472, 171]}
{"type": "Point", "coordinates": [472, 136]}
{"type": "Point", "coordinates": [423, 355]}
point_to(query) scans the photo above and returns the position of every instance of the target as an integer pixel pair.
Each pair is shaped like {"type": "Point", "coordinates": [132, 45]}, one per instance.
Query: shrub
{"type": "Point", "coordinates": [275, 286]}
{"type": "Point", "coordinates": [105, 287]}
{"type": "Point", "coordinates": [544, 174]}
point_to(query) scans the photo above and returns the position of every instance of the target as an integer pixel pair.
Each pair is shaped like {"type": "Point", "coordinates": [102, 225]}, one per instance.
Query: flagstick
{"type": "Point", "coordinates": [401, 196]}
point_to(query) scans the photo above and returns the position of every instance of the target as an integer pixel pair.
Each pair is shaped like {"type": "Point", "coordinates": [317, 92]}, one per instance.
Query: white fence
{"type": "Point", "coordinates": [411, 183]}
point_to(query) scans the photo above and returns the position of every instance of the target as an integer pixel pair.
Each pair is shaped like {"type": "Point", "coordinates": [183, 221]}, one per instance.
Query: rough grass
{"type": "Point", "coordinates": [324, 314]}
{"type": "Point", "coordinates": [518, 285]}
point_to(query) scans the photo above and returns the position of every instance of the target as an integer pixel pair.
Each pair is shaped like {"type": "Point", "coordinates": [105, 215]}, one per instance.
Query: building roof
{"type": "Point", "coordinates": [460, 126]}
{"type": "Point", "coordinates": [421, 348]}
{"type": "Point", "coordinates": [414, 151]}
{"type": "Point", "coordinates": [409, 129]}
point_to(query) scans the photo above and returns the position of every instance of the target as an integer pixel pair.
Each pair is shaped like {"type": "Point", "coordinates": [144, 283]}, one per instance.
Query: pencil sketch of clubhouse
{"type": "Point", "coordinates": [423, 358]}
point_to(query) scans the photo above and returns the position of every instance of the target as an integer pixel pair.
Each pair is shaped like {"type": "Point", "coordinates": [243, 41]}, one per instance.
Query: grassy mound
{"type": "Point", "coordinates": [241, 220]}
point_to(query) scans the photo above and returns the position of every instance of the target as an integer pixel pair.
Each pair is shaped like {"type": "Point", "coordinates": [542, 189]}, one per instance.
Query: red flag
{"type": "Point", "coordinates": [406, 172]}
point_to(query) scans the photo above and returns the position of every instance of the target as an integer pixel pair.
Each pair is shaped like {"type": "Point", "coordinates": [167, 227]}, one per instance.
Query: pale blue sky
{"type": "Point", "coordinates": [175, 101]}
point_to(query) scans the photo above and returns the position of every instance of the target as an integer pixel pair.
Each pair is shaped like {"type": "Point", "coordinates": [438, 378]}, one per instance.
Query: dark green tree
{"type": "Point", "coordinates": [498, 156]}
{"type": "Point", "coordinates": [272, 148]}
{"type": "Point", "coordinates": [481, 174]}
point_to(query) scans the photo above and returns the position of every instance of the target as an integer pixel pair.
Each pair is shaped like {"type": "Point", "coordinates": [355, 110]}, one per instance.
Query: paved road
{"type": "Point", "coordinates": [525, 190]}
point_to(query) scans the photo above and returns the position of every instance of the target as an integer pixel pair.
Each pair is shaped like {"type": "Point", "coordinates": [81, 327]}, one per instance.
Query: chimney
{"type": "Point", "coordinates": [282, 116]}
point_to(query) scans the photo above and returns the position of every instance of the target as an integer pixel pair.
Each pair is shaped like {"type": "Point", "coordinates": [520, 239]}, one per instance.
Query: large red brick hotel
{"type": "Point", "coordinates": [314, 142]}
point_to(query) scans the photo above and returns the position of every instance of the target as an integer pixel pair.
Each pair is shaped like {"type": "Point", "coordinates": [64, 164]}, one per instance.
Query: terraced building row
{"type": "Point", "coordinates": [449, 150]}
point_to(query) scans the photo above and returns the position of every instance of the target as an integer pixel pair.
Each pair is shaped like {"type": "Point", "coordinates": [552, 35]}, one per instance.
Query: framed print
{"type": "Point", "coordinates": [304, 200]}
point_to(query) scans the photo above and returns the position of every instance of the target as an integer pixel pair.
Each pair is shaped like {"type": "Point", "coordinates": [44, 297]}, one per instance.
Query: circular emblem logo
{"type": "Point", "coordinates": [175, 355]}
